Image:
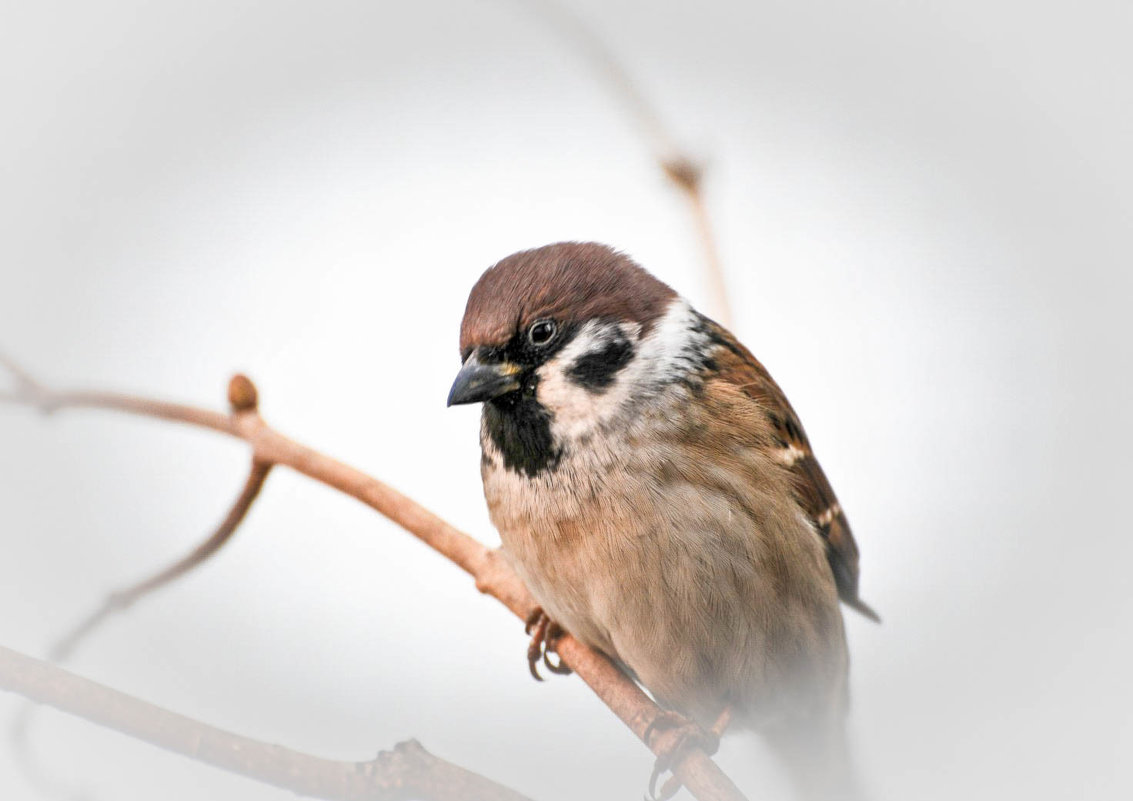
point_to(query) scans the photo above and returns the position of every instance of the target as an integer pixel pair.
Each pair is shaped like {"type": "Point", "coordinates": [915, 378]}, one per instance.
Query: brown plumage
{"type": "Point", "coordinates": [657, 493]}
{"type": "Point", "coordinates": [577, 285]}
{"type": "Point", "coordinates": [737, 365]}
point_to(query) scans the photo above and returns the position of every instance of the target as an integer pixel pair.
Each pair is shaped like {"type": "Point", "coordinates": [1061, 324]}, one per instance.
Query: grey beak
{"type": "Point", "coordinates": [478, 382]}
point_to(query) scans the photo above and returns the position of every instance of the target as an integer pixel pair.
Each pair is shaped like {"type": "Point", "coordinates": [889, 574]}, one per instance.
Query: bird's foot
{"type": "Point", "coordinates": [545, 633]}
{"type": "Point", "coordinates": [675, 734]}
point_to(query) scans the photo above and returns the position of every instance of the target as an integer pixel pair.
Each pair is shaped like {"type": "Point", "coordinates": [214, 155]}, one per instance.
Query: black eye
{"type": "Point", "coordinates": [541, 332]}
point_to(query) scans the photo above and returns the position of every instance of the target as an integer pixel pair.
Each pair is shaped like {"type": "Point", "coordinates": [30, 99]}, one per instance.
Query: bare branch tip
{"type": "Point", "coordinates": [242, 394]}
{"type": "Point", "coordinates": [26, 385]}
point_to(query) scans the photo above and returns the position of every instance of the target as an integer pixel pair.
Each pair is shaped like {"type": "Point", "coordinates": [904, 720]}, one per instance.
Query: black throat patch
{"type": "Point", "coordinates": [520, 428]}
{"type": "Point", "coordinates": [517, 424]}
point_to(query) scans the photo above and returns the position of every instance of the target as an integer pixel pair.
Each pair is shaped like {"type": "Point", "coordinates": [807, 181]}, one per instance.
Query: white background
{"type": "Point", "coordinates": [924, 211]}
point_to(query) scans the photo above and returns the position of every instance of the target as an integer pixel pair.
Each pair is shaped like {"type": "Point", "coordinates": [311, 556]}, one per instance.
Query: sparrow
{"type": "Point", "coordinates": [658, 495]}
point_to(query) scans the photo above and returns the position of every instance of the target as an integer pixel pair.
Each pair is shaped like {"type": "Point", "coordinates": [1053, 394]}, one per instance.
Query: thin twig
{"type": "Point", "coordinates": [24, 381]}
{"type": "Point", "coordinates": [242, 397]}
{"type": "Point", "coordinates": [684, 171]}
{"type": "Point", "coordinates": [690, 177]}
{"type": "Point", "coordinates": [492, 574]}
{"type": "Point", "coordinates": [409, 771]}
{"type": "Point", "coordinates": [565, 22]}
{"type": "Point", "coordinates": [123, 599]}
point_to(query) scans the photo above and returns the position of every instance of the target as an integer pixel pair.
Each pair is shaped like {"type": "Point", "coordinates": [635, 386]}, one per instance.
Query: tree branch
{"type": "Point", "coordinates": [493, 576]}
{"type": "Point", "coordinates": [123, 599]}
{"type": "Point", "coordinates": [409, 771]}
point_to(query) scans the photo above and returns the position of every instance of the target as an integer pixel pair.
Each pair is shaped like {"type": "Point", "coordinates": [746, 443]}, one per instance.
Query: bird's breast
{"type": "Point", "coordinates": [685, 559]}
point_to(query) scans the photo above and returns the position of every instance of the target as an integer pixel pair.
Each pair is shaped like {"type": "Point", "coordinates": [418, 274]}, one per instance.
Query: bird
{"type": "Point", "coordinates": [656, 492]}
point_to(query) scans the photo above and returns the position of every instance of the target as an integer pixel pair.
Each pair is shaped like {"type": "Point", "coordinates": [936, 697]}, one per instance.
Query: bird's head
{"type": "Point", "coordinates": [559, 340]}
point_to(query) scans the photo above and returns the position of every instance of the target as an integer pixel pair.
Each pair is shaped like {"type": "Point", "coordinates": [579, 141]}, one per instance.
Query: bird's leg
{"type": "Point", "coordinates": [554, 634]}
{"type": "Point", "coordinates": [722, 722]}
{"type": "Point", "coordinates": [683, 733]}
{"type": "Point", "coordinates": [536, 625]}
{"type": "Point", "coordinates": [544, 634]}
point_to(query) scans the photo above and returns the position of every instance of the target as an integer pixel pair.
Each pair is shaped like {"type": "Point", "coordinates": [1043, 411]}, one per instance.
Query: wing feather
{"type": "Point", "coordinates": [735, 363]}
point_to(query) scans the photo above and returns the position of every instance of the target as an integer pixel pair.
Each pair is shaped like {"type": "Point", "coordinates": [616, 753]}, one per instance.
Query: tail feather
{"type": "Point", "coordinates": [861, 606]}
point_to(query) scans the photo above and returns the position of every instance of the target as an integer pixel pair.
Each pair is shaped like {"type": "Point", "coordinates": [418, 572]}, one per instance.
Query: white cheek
{"type": "Point", "coordinates": [660, 358]}
{"type": "Point", "coordinates": [577, 410]}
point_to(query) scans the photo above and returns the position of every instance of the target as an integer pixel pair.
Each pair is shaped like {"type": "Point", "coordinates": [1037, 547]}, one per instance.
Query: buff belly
{"type": "Point", "coordinates": [711, 593]}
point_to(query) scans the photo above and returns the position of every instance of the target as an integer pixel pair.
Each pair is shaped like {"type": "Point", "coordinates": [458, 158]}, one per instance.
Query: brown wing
{"type": "Point", "coordinates": [734, 363]}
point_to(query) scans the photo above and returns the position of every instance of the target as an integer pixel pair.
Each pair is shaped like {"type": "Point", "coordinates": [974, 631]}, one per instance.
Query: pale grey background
{"type": "Point", "coordinates": [924, 210]}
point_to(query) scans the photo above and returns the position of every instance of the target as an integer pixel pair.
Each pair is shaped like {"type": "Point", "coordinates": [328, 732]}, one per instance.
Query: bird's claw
{"type": "Point", "coordinates": [682, 734]}
{"type": "Point", "coordinates": [544, 634]}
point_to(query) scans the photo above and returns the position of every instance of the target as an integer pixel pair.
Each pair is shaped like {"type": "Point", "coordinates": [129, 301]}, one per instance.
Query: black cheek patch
{"type": "Point", "coordinates": [595, 371]}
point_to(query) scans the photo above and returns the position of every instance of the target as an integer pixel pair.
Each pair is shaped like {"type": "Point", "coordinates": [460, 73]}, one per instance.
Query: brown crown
{"type": "Point", "coordinates": [567, 281]}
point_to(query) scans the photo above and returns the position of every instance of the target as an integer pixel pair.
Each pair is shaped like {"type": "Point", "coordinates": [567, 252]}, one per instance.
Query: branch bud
{"type": "Point", "coordinates": [242, 394]}
{"type": "Point", "coordinates": [683, 172]}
